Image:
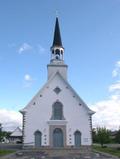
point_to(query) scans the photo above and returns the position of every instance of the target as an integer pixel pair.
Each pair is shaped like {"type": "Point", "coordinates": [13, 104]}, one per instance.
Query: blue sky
{"type": "Point", "coordinates": [90, 31]}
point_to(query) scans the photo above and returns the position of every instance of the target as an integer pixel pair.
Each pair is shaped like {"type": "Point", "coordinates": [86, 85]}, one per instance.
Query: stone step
{"type": "Point", "coordinates": [56, 151]}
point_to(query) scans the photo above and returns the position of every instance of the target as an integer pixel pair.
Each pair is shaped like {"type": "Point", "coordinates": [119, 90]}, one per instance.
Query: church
{"type": "Point", "coordinates": [56, 116]}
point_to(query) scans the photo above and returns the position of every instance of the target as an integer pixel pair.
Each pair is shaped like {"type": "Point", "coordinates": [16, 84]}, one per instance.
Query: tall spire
{"type": "Point", "coordinates": [57, 37]}
{"type": "Point", "coordinates": [57, 49]}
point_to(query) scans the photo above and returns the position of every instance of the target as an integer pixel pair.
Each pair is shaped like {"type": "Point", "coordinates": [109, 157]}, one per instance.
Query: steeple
{"type": "Point", "coordinates": [57, 37]}
{"type": "Point", "coordinates": [57, 64]}
{"type": "Point", "coordinates": [57, 49]}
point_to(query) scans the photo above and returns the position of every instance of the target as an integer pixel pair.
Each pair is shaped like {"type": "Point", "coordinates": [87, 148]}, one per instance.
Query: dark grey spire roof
{"type": "Point", "coordinates": [57, 37]}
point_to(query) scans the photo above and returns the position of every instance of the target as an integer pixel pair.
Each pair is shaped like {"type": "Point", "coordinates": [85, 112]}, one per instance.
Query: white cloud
{"type": "Point", "coordinates": [27, 77]}
{"type": "Point", "coordinates": [116, 71]}
{"type": "Point", "coordinates": [10, 119]}
{"type": "Point", "coordinates": [24, 47]}
{"type": "Point", "coordinates": [107, 113]}
{"type": "Point", "coordinates": [28, 81]}
{"type": "Point", "coordinates": [115, 87]}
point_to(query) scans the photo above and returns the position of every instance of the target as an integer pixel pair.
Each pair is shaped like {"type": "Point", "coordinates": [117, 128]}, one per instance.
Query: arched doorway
{"type": "Point", "coordinates": [38, 137]}
{"type": "Point", "coordinates": [77, 136]}
{"type": "Point", "coordinates": [58, 137]}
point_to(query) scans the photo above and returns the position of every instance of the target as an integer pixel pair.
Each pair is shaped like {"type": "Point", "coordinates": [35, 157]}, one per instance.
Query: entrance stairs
{"type": "Point", "coordinates": [56, 152]}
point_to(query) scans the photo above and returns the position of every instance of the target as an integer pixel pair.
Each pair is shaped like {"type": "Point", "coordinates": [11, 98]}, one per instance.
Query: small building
{"type": "Point", "coordinates": [16, 136]}
{"type": "Point", "coordinates": [57, 116]}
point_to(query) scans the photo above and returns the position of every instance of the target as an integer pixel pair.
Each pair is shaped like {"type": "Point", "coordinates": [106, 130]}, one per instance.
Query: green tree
{"type": "Point", "coordinates": [117, 137]}
{"type": "Point", "coordinates": [94, 135]}
{"type": "Point", "coordinates": [3, 134]}
{"type": "Point", "coordinates": [0, 132]}
{"type": "Point", "coordinates": [103, 135]}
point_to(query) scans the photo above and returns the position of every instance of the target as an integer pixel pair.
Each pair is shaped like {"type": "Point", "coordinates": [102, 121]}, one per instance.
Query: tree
{"type": "Point", "coordinates": [117, 137]}
{"type": "Point", "coordinates": [0, 132]}
{"type": "Point", "coordinates": [94, 135]}
{"type": "Point", "coordinates": [103, 135]}
{"type": "Point", "coordinates": [0, 127]}
{"type": "Point", "coordinates": [3, 134]}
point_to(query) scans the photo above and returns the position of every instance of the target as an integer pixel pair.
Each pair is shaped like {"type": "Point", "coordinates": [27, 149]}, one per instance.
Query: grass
{"type": "Point", "coordinates": [6, 152]}
{"type": "Point", "coordinates": [110, 150]}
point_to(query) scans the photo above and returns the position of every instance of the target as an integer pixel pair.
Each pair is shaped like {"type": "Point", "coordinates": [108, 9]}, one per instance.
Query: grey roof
{"type": "Point", "coordinates": [16, 132]}
{"type": "Point", "coordinates": [57, 37]}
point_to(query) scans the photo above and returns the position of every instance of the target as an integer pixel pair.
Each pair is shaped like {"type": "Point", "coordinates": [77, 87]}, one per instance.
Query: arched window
{"type": "Point", "coordinates": [57, 111]}
{"type": "Point", "coordinates": [57, 51]}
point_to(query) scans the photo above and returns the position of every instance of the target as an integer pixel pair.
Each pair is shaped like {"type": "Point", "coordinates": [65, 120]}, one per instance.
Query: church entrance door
{"type": "Point", "coordinates": [58, 137]}
{"type": "Point", "coordinates": [77, 138]}
{"type": "Point", "coordinates": [38, 135]}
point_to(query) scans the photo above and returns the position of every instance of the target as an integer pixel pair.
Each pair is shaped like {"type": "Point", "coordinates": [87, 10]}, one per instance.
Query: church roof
{"type": "Point", "coordinates": [57, 37]}
{"type": "Point", "coordinates": [16, 132]}
{"type": "Point", "coordinates": [67, 84]}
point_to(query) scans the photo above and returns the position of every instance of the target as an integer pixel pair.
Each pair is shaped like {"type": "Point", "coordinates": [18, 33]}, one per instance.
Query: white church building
{"type": "Point", "coordinates": [56, 116]}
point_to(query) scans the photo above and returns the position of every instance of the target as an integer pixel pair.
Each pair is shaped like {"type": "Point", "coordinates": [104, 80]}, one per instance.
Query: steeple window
{"type": "Point", "coordinates": [61, 51]}
{"type": "Point", "coordinates": [57, 51]}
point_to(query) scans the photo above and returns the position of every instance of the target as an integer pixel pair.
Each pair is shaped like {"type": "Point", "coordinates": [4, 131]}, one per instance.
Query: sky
{"type": "Point", "coordinates": [90, 31]}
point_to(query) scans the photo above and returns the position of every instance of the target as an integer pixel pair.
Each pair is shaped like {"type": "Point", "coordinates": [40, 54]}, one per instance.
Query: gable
{"type": "Point", "coordinates": [56, 84]}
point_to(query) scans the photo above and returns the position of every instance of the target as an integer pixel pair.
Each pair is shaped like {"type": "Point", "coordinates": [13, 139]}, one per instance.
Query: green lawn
{"type": "Point", "coordinates": [112, 151]}
{"type": "Point", "coordinates": [5, 152]}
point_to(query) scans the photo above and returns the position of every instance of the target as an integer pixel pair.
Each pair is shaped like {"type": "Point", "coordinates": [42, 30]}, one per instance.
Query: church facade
{"type": "Point", "coordinates": [57, 116]}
